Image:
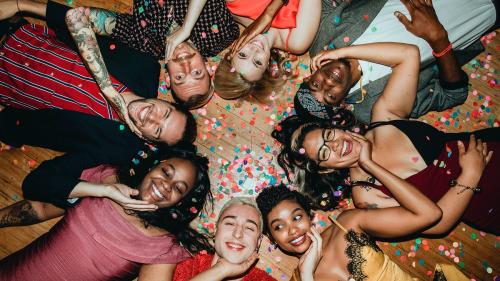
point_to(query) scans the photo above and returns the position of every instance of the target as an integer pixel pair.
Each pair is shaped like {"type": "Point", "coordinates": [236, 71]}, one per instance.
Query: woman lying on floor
{"type": "Point", "coordinates": [99, 239]}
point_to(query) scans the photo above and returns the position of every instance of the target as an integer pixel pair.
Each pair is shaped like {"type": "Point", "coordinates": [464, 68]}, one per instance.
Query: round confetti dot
{"type": "Point", "coordinates": [122, 127]}
{"type": "Point", "coordinates": [347, 39]}
{"type": "Point", "coordinates": [112, 47]}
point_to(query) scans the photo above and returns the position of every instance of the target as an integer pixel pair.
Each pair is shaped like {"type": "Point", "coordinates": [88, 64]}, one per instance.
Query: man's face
{"type": "Point", "coordinates": [188, 72]}
{"type": "Point", "coordinates": [331, 83]}
{"type": "Point", "coordinates": [238, 233]}
{"type": "Point", "coordinates": [157, 120]}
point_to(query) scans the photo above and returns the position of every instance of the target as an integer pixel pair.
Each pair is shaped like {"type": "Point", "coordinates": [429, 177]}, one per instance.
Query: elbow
{"type": "Point", "coordinates": [412, 51]}
{"type": "Point", "coordinates": [431, 216]}
{"type": "Point", "coordinates": [29, 187]}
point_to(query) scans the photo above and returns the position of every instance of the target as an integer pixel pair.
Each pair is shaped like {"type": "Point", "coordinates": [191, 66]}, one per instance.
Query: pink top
{"type": "Point", "coordinates": [92, 242]}
{"type": "Point", "coordinates": [286, 17]}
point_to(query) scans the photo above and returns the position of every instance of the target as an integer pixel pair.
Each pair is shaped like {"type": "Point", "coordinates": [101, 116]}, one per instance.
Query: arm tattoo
{"type": "Point", "coordinates": [82, 22]}
{"type": "Point", "coordinates": [103, 21]}
{"type": "Point", "coordinates": [367, 184]}
{"type": "Point", "coordinates": [370, 205]}
{"type": "Point", "coordinates": [21, 213]}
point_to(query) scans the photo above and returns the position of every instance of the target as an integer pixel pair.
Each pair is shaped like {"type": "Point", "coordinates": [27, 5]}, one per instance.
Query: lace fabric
{"type": "Point", "coordinates": [356, 241]}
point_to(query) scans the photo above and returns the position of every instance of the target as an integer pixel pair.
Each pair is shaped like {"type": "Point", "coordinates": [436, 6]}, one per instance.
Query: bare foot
{"type": "Point", "coordinates": [8, 9]}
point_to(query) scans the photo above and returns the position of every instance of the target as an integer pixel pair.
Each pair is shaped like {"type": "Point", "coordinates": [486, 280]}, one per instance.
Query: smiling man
{"type": "Point", "coordinates": [446, 33]}
{"type": "Point", "coordinates": [39, 72]}
{"type": "Point", "coordinates": [237, 241]}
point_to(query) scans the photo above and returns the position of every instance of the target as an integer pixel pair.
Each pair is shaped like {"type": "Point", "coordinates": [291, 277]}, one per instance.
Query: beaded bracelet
{"type": "Point", "coordinates": [454, 183]}
{"type": "Point", "coordinates": [443, 52]}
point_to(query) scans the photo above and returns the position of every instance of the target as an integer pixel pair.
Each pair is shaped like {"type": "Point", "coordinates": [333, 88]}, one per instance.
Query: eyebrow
{"type": "Point", "coordinates": [234, 217]}
{"type": "Point", "coordinates": [294, 210]}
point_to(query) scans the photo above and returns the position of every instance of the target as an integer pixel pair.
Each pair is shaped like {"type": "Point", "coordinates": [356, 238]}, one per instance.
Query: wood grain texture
{"type": "Point", "coordinates": [236, 138]}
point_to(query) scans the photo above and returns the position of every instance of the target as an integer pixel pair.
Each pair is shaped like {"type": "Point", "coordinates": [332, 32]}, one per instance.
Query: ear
{"type": "Point", "coordinates": [210, 70]}
{"type": "Point", "coordinates": [259, 242]}
{"type": "Point", "coordinates": [167, 79]}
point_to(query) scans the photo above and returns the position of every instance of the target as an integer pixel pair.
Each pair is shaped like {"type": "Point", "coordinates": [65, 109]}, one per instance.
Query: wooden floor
{"type": "Point", "coordinates": [235, 136]}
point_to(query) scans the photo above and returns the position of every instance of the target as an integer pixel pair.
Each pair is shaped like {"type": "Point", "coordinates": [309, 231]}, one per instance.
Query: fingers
{"type": "Point", "coordinates": [488, 157]}
{"type": "Point", "coordinates": [403, 19]}
{"type": "Point", "coordinates": [461, 148]}
{"type": "Point", "coordinates": [319, 240]}
{"type": "Point", "coordinates": [142, 208]}
{"type": "Point", "coordinates": [472, 142]}
{"type": "Point", "coordinates": [408, 4]}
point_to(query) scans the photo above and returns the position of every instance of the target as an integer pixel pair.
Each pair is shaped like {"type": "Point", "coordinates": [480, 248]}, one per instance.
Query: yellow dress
{"type": "Point", "coordinates": [367, 262]}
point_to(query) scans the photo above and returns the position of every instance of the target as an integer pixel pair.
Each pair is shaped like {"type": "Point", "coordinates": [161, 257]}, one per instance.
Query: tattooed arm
{"type": "Point", "coordinates": [83, 23]}
{"type": "Point", "coordinates": [367, 197]}
{"type": "Point", "coordinates": [28, 212]}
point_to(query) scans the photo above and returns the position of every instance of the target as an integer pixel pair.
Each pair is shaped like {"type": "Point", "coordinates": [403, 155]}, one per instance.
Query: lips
{"type": "Point", "coordinates": [298, 241]}
{"type": "Point", "coordinates": [142, 113]}
{"type": "Point", "coordinates": [235, 246]}
{"type": "Point", "coordinates": [156, 192]}
{"type": "Point", "coordinates": [346, 148]}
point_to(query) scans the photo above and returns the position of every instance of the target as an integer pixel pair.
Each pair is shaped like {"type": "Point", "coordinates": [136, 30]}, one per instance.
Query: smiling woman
{"type": "Point", "coordinates": [178, 186]}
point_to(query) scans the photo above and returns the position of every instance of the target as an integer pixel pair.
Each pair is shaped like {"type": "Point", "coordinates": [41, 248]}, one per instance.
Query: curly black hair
{"type": "Point", "coordinates": [326, 188]}
{"type": "Point", "coordinates": [174, 219]}
{"type": "Point", "coordinates": [271, 196]}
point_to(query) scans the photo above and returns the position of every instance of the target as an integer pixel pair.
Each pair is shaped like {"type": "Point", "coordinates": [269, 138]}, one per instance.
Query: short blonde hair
{"type": "Point", "coordinates": [245, 201]}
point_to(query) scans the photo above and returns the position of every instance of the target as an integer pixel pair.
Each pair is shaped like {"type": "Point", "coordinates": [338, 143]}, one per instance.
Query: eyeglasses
{"type": "Point", "coordinates": [324, 150]}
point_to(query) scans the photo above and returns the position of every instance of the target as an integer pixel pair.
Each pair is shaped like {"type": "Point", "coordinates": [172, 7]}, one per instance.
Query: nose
{"type": "Point", "coordinates": [336, 144]}
{"type": "Point", "coordinates": [238, 231]}
{"type": "Point", "coordinates": [155, 117]}
{"type": "Point", "coordinates": [167, 186]}
{"type": "Point", "coordinates": [186, 66]}
{"type": "Point", "coordinates": [292, 230]}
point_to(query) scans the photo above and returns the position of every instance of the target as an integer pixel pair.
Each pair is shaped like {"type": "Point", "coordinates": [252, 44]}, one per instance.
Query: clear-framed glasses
{"type": "Point", "coordinates": [324, 150]}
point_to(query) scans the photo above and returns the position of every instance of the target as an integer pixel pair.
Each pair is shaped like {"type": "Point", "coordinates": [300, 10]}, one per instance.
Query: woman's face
{"type": "Point", "coordinates": [289, 223]}
{"type": "Point", "coordinates": [167, 183]}
{"type": "Point", "coordinates": [332, 148]}
{"type": "Point", "coordinates": [252, 60]}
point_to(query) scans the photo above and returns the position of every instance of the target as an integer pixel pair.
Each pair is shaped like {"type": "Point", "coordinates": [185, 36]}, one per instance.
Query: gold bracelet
{"type": "Point", "coordinates": [454, 183]}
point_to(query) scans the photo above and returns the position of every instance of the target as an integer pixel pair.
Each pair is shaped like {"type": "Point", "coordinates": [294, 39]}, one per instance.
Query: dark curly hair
{"type": "Point", "coordinates": [174, 219]}
{"type": "Point", "coordinates": [271, 196]}
{"type": "Point", "coordinates": [327, 189]}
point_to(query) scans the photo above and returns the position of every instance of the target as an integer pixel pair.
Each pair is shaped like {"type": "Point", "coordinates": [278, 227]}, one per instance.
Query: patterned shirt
{"type": "Point", "coordinates": [151, 21]}
{"type": "Point", "coordinates": [37, 71]}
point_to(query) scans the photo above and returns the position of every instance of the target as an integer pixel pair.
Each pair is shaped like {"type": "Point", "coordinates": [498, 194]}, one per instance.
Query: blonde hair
{"type": "Point", "coordinates": [245, 201]}
{"type": "Point", "coordinates": [230, 84]}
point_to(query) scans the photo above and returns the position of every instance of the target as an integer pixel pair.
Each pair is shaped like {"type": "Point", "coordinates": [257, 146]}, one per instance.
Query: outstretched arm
{"type": "Point", "coordinates": [425, 24]}
{"type": "Point", "coordinates": [83, 23]}
{"type": "Point", "coordinates": [27, 212]}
